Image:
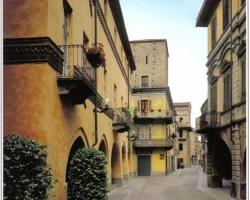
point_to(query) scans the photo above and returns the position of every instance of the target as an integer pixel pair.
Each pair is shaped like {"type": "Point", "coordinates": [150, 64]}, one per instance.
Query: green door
{"type": "Point", "coordinates": [144, 165]}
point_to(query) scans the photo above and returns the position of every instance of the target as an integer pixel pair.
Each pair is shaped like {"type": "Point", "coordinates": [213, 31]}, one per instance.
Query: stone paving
{"type": "Point", "coordinates": [183, 184]}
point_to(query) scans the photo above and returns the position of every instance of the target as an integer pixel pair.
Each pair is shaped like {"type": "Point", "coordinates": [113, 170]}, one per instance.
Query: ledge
{"type": "Point", "coordinates": [32, 50]}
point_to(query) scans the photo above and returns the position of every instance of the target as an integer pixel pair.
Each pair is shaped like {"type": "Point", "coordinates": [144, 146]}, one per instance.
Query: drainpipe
{"type": "Point", "coordinates": [231, 68]}
{"type": "Point", "coordinates": [95, 110]}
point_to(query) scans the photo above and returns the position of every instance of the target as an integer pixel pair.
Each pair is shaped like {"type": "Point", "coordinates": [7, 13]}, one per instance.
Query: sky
{"type": "Point", "coordinates": [174, 20]}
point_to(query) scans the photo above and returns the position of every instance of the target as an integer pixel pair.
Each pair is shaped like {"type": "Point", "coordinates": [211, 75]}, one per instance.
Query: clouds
{"type": "Point", "coordinates": [175, 21]}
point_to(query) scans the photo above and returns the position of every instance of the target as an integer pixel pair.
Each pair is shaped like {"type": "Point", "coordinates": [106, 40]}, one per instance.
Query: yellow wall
{"type": "Point", "coordinates": [219, 15]}
{"type": "Point", "coordinates": [38, 111]}
{"type": "Point", "coordinates": [158, 165]}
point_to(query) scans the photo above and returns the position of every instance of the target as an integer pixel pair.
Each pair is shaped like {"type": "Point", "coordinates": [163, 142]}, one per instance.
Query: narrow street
{"type": "Point", "coordinates": [183, 184]}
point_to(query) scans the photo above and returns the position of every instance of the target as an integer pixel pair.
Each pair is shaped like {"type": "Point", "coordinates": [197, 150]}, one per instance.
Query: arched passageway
{"type": "Point", "coordinates": [124, 162]}
{"type": "Point", "coordinates": [78, 144]}
{"type": "Point", "coordinates": [222, 160]}
{"type": "Point", "coordinates": [115, 165]}
{"type": "Point", "coordinates": [103, 148]}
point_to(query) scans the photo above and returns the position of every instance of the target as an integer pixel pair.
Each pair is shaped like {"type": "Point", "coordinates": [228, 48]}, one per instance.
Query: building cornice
{"type": "Point", "coordinates": [119, 21]}
{"type": "Point", "coordinates": [33, 50]}
{"type": "Point", "coordinates": [206, 12]}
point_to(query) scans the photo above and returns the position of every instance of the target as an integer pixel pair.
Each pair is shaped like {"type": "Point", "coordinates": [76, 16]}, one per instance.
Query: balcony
{"type": "Point", "coordinates": [208, 122]}
{"type": "Point", "coordinates": [184, 125]}
{"type": "Point", "coordinates": [153, 116]}
{"type": "Point", "coordinates": [122, 120]}
{"type": "Point", "coordinates": [154, 143]}
{"type": "Point", "coordinates": [77, 81]}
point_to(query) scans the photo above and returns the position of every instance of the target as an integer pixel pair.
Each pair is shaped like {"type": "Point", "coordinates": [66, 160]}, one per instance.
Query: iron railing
{"type": "Point", "coordinates": [122, 116]}
{"type": "Point", "coordinates": [154, 143]}
{"type": "Point", "coordinates": [153, 114]}
{"type": "Point", "coordinates": [76, 65]}
{"type": "Point", "coordinates": [208, 119]}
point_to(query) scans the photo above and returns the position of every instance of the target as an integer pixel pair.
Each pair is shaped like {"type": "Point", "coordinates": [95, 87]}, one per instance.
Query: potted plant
{"type": "Point", "coordinates": [96, 55]}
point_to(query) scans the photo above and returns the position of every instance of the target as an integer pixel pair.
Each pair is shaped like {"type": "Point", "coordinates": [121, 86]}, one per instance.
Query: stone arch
{"type": "Point", "coordinates": [115, 165]}
{"type": "Point", "coordinates": [81, 133]}
{"type": "Point", "coordinates": [103, 146]}
{"type": "Point", "coordinates": [222, 158]}
{"type": "Point", "coordinates": [77, 144]}
{"type": "Point", "coordinates": [125, 169]}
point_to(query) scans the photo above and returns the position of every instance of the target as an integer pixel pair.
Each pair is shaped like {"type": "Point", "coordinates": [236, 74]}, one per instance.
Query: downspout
{"type": "Point", "coordinates": [95, 110]}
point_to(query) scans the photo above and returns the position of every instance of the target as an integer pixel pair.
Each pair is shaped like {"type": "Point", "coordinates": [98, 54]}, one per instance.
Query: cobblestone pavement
{"type": "Point", "coordinates": [183, 184]}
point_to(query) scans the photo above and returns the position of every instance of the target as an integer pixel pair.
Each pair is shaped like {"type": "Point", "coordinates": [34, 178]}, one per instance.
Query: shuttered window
{"type": "Point", "coordinates": [150, 130]}
{"type": "Point", "coordinates": [226, 13]}
{"type": "Point", "coordinates": [227, 91]}
{"type": "Point", "coordinates": [213, 31]}
{"type": "Point", "coordinates": [213, 97]}
{"type": "Point", "coordinates": [144, 81]}
{"type": "Point", "coordinates": [138, 105]}
{"type": "Point", "coordinates": [180, 147]}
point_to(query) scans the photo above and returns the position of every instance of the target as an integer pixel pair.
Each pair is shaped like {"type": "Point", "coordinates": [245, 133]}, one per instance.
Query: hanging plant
{"type": "Point", "coordinates": [96, 55]}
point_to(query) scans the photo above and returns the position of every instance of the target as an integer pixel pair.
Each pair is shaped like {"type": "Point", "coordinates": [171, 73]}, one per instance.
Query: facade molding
{"type": "Point", "coordinates": [33, 50]}
{"type": "Point", "coordinates": [110, 40]}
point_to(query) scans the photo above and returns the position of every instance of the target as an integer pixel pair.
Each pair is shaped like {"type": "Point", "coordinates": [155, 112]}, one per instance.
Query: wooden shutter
{"type": "Point", "coordinates": [149, 105]}
{"type": "Point", "coordinates": [138, 105]}
{"type": "Point", "coordinates": [226, 13]}
{"type": "Point", "coordinates": [213, 31]}
{"type": "Point", "coordinates": [149, 131]}
{"type": "Point", "coordinates": [213, 97]}
{"type": "Point", "coordinates": [227, 91]}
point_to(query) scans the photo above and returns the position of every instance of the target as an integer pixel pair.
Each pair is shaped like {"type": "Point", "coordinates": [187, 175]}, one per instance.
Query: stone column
{"type": "Point", "coordinates": [214, 180]}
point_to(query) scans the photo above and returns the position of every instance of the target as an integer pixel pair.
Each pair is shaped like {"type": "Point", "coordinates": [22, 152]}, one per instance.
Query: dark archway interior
{"type": "Point", "coordinates": [77, 145]}
{"type": "Point", "coordinates": [115, 163]}
{"type": "Point", "coordinates": [103, 148]}
{"type": "Point", "coordinates": [222, 160]}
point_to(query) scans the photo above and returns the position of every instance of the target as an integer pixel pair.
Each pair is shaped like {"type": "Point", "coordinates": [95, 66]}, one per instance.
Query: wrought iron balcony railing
{"type": "Point", "coordinates": [208, 120]}
{"type": "Point", "coordinates": [122, 120]}
{"type": "Point", "coordinates": [76, 65]}
{"type": "Point", "coordinates": [165, 143]}
{"type": "Point", "coordinates": [154, 116]}
{"type": "Point", "coordinates": [78, 77]}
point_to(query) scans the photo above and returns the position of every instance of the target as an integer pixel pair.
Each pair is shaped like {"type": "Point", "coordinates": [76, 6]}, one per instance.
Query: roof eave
{"type": "Point", "coordinates": [206, 12]}
{"type": "Point", "coordinates": [119, 21]}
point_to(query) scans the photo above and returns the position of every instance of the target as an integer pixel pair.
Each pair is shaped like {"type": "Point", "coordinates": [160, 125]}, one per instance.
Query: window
{"type": "Point", "coordinates": [144, 105]}
{"type": "Point", "coordinates": [85, 40]}
{"type": "Point", "coordinates": [115, 35]}
{"type": "Point", "coordinates": [180, 134]}
{"type": "Point", "coordinates": [181, 118]}
{"type": "Point", "coordinates": [227, 91]}
{"type": "Point", "coordinates": [115, 96]}
{"type": "Point", "coordinates": [161, 156]}
{"type": "Point", "coordinates": [243, 80]}
{"type": "Point", "coordinates": [226, 13]}
{"type": "Point", "coordinates": [146, 59]}
{"type": "Point", "coordinates": [213, 31]}
{"type": "Point", "coordinates": [180, 147]}
{"type": "Point", "coordinates": [144, 132]}
{"type": "Point", "coordinates": [105, 8]}
{"type": "Point", "coordinates": [213, 97]}
{"type": "Point", "coordinates": [144, 81]}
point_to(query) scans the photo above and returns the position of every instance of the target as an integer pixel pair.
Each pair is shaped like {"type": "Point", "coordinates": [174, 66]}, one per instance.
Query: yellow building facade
{"type": "Point", "coordinates": [55, 95]}
{"type": "Point", "coordinates": [152, 108]}
{"type": "Point", "coordinates": [223, 119]}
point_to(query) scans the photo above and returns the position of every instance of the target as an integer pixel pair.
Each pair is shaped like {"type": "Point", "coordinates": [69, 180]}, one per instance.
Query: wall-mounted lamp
{"type": "Point", "coordinates": [106, 107]}
{"type": "Point", "coordinates": [132, 137]}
